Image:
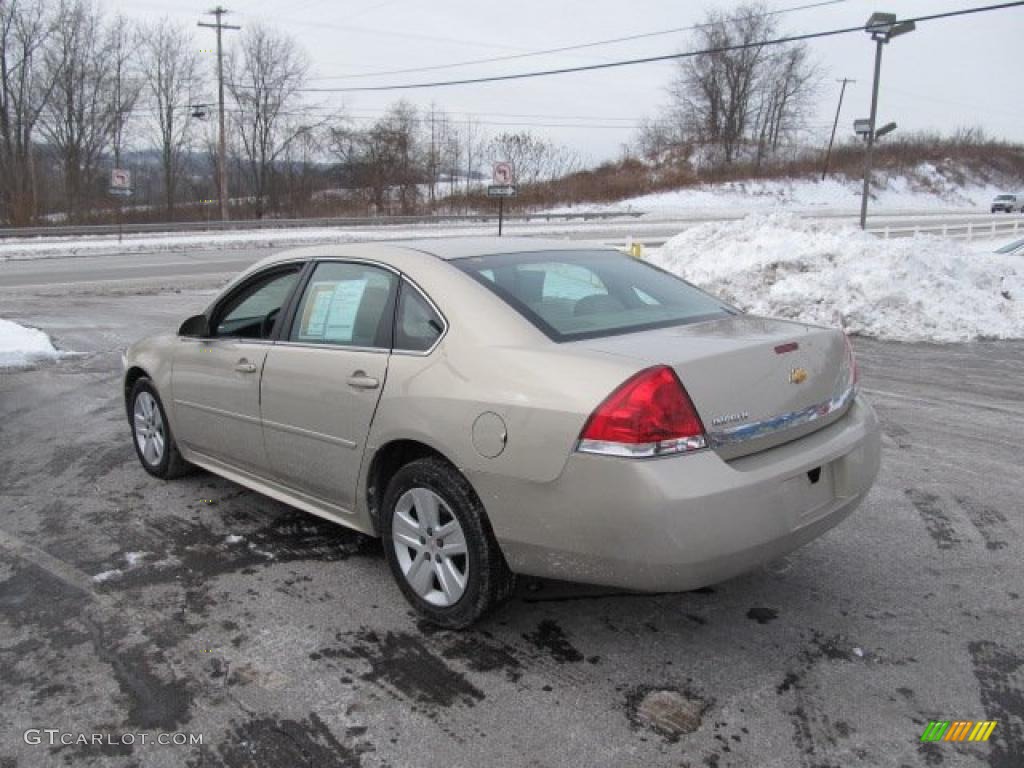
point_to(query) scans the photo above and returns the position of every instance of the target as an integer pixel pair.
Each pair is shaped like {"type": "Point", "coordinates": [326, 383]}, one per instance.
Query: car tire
{"type": "Point", "coordinates": [151, 433]}
{"type": "Point", "coordinates": [450, 582]}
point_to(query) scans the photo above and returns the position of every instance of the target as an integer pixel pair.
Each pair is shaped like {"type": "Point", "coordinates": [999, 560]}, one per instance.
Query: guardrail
{"type": "Point", "coordinates": [988, 228]}
{"type": "Point", "coordinates": [984, 230]}
{"type": "Point", "coordinates": [353, 221]}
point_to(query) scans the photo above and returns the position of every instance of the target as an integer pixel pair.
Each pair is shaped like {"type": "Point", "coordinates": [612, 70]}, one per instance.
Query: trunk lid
{"type": "Point", "coordinates": [755, 382]}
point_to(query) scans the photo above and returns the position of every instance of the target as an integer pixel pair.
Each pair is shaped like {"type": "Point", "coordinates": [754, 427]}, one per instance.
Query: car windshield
{"type": "Point", "coordinates": [1004, 197]}
{"type": "Point", "coordinates": [572, 295]}
{"type": "Point", "coordinates": [1011, 247]}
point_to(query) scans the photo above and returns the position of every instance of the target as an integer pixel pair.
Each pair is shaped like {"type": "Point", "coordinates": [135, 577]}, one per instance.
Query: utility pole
{"type": "Point", "coordinates": [222, 171]}
{"type": "Point", "coordinates": [828, 152]}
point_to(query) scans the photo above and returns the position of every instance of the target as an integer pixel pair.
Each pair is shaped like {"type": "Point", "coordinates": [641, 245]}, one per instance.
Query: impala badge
{"type": "Point", "coordinates": [729, 418]}
{"type": "Point", "coordinates": [798, 376]}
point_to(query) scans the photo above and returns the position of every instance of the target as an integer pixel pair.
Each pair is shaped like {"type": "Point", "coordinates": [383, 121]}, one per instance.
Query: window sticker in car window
{"type": "Point", "coordinates": [314, 314]}
{"type": "Point", "coordinates": [341, 314]}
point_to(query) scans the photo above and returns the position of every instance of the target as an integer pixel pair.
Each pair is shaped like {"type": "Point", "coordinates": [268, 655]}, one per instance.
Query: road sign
{"type": "Point", "coordinates": [504, 173]}
{"type": "Point", "coordinates": [120, 178]}
{"type": "Point", "coordinates": [862, 127]}
{"type": "Point", "coordinates": [501, 190]}
{"type": "Point", "coordinates": [121, 182]}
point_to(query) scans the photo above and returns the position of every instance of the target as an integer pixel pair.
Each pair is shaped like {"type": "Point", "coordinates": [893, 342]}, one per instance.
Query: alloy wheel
{"type": "Point", "coordinates": [430, 546]}
{"type": "Point", "coordinates": [149, 429]}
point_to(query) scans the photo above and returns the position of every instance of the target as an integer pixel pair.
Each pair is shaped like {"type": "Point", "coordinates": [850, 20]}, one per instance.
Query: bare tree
{"type": "Point", "coordinates": [171, 68]}
{"type": "Point", "coordinates": [402, 123]}
{"type": "Point", "coordinates": [386, 160]}
{"type": "Point", "coordinates": [79, 119]}
{"type": "Point", "coordinates": [713, 95]}
{"type": "Point", "coordinates": [298, 161]}
{"type": "Point", "coordinates": [436, 129]}
{"type": "Point", "coordinates": [741, 93]}
{"type": "Point", "coordinates": [264, 77]}
{"type": "Point", "coordinates": [126, 82]}
{"type": "Point", "coordinates": [476, 148]}
{"type": "Point", "coordinates": [658, 139]}
{"type": "Point", "coordinates": [535, 159]}
{"type": "Point", "coordinates": [25, 90]}
{"type": "Point", "coordinates": [786, 88]}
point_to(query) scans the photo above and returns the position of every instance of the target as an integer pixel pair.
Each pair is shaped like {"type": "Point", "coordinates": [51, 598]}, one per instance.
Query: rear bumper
{"type": "Point", "coordinates": [682, 522]}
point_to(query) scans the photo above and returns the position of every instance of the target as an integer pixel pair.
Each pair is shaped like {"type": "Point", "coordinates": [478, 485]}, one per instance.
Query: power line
{"type": "Point", "coordinates": [565, 48]}
{"type": "Point", "coordinates": [457, 118]}
{"type": "Point", "coordinates": [653, 59]}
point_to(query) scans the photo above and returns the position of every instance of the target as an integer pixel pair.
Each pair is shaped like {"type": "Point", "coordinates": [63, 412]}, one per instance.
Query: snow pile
{"type": "Point", "coordinates": [22, 346]}
{"type": "Point", "coordinates": [923, 288]}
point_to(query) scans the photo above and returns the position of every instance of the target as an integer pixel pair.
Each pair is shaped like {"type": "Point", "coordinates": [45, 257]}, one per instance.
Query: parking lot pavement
{"type": "Point", "coordinates": [133, 606]}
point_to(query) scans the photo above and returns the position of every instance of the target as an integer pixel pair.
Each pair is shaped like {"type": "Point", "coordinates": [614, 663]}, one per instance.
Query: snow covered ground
{"type": "Point", "coordinates": [921, 288]}
{"type": "Point", "coordinates": [925, 190]}
{"type": "Point", "coordinates": [23, 346]}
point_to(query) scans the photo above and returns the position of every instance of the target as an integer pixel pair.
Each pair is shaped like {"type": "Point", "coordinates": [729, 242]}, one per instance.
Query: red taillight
{"type": "Point", "coordinates": [649, 415]}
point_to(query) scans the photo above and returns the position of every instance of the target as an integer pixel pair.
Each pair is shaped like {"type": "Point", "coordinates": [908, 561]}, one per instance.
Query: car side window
{"type": "Point", "coordinates": [252, 312]}
{"type": "Point", "coordinates": [419, 326]}
{"type": "Point", "coordinates": [348, 304]}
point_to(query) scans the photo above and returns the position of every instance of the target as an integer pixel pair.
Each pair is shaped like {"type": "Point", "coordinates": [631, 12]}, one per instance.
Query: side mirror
{"type": "Point", "coordinates": [196, 326]}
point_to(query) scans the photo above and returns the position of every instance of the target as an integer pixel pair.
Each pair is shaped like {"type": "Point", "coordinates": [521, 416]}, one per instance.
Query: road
{"type": "Point", "coordinates": [130, 605]}
{"type": "Point", "coordinates": [136, 262]}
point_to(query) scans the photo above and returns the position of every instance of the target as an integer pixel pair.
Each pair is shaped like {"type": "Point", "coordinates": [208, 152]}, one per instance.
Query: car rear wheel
{"type": "Point", "coordinates": [439, 545]}
{"type": "Point", "coordinates": [151, 433]}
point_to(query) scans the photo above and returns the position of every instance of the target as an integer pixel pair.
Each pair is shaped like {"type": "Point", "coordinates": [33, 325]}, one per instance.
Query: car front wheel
{"type": "Point", "coordinates": [439, 545]}
{"type": "Point", "coordinates": [151, 433]}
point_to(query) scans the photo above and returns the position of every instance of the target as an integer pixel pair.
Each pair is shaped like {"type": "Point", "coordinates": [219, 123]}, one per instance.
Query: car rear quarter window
{"type": "Point", "coordinates": [419, 325]}
{"type": "Point", "coordinates": [346, 304]}
{"type": "Point", "coordinates": [572, 295]}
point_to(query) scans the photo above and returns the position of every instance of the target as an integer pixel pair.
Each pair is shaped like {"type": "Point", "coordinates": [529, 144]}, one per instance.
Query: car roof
{"type": "Point", "coordinates": [445, 248]}
{"type": "Point", "coordinates": [449, 248]}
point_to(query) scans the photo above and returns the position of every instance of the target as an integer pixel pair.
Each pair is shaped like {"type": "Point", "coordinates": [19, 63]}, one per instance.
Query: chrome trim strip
{"type": "Point", "coordinates": [643, 450]}
{"type": "Point", "coordinates": [329, 345]}
{"type": "Point", "coordinates": [782, 422]}
{"type": "Point", "coordinates": [309, 433]}
{"type": "Point", "coordinates": [218, 411]}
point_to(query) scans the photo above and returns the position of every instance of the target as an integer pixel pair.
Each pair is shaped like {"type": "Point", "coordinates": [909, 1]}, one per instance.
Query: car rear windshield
{"type": "Point", "coordinates": [1005, 197]}
{"type": "Point", "coordinates": [572, 295]}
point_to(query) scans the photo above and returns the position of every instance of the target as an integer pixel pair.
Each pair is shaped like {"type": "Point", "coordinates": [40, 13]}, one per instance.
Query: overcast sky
{"type": "Point", "coordinates": [949, 73]}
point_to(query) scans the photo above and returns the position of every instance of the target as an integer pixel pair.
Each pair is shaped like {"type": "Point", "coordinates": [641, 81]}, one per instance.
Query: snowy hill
{"type": "Point", "coordinates": [922, 189]}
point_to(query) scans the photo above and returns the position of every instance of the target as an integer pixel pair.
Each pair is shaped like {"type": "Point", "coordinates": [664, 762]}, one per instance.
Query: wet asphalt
{"type": "Point", "coordinates": [282, 641]}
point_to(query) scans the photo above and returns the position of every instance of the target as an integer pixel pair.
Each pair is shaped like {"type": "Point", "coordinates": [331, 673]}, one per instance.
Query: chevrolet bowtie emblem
{"type": "Point", "coordinates": [798, 376]}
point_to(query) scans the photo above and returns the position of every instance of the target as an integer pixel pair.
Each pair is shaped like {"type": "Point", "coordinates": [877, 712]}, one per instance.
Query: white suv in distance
{"type": "Point", "coordinates": [1008, 203]}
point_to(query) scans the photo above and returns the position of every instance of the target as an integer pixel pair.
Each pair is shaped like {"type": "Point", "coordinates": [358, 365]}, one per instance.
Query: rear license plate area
{"type": "Point", "coordinates": [811, 493]}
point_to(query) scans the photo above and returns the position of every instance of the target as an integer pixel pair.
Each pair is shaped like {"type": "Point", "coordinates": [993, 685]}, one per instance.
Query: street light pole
{"type": "Point", "coordinates": [871, 134]}
{"type": "Point", "coordinates": [882, 27]}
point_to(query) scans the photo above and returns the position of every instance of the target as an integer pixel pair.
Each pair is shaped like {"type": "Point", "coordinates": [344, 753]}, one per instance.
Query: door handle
{"type": "Point", "coordinates": [244, 366]}
{"type": "Point", "coordinates": [360, 380]}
